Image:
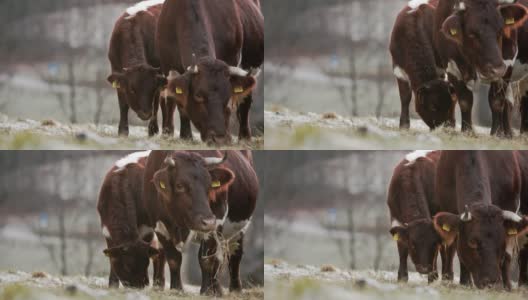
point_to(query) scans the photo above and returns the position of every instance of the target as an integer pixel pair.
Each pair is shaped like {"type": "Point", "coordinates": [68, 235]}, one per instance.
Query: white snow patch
{"type": "Point", "coordinates": [132, 158]}
{"type": "Point", "coordinates": [413, 156]}
{"type": "Point", "coordinates": [142, 6]}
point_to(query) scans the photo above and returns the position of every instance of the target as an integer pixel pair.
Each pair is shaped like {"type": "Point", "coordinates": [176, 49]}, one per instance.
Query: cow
{"type": "Point", "coordinates": [205, 197]}
{"type": "Point", "coordinates": [410, 197]}
{"type": "Point", "coordinates": [129, 247]}
{"type": "Point", "coordinates": [522, 157]}
{"type": "Point", "coordinates": [135, 64]}
{"type": "Point", "coordinates": [211, 52]}
{"type": "Point", "coordinates": [414, 66]}
{"type": "Point", "coordinates": [476, 193]}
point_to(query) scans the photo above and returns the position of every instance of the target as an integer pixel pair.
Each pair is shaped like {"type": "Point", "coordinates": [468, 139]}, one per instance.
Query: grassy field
{"type": "Point", "coordinates": [43, 286]}
{"type": "Point", "coordinates": [285, 281]}
{"type": "Point", "coordinates": [49, 134]}
{"type": "Point", "coordinates": [288, 129]}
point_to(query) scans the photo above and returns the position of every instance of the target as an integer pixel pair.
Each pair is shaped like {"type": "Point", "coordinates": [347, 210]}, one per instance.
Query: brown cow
{"type": "Point", "coordinates": [128, 249]}
{"type": "Point", "coordinates": [409, 199]}
{"type": "Point", "coordinates": [413, 58]}
{"type": "Point", "coordinates": [202, 196]}
{"type": "Point", "coordinates": [522, 157]}
{"type": "Point", "coordinates": [222, 35]}
{"type": "Point", "coordinates": [477, 193]}
{"type": "Point", "coordinates": [135, 64]}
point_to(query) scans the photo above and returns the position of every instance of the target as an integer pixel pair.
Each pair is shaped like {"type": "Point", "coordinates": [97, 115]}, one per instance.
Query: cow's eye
{"type": "Point", "coordinates": [180, 188]}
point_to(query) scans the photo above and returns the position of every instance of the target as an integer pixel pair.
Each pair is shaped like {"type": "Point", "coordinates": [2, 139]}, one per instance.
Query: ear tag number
{"type": "Point", "coordinates": [396, 237]}
{"type": "Point", "coordinates": [453, 31]}
{"type": "Point", "coordinates": [510, 21]}
{"type": "Point", "coordinates": [162, 185]}
{"type": "Point", "coordinates": [179, 91]}
{"type": "Point", "coordinates": [512, 231]}
{"type": "Point", "coordinates": [215, 184]}
{"type": "Point", "coordinates": [238, 90]}
{"type": "Point", "coordinates": [115, 85]}
{"type": "Point", "coordinates": [446, 228]}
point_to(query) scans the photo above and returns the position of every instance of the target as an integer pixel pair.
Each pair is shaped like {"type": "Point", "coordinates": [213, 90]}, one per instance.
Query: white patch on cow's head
{"type": "Point", "coordinates": [413, 156]}
{"type": "Point", "coordinates": [414, 4]}
{"type": "Point", "coordinates": [230, 229]}
{"type": "Point", "coordinates": [144, 230]}
{"type": "Point", "coordinates": [452, 68]}
{"type": "Point", "coordinates": [132, 158]}
{"type": "Point", "coordinates": [396, 223]}
{"type": "Point", "coordinates": [106, 233]}
{"type": "Point", "coordinates": [161, 229]}
{"type": "Point", "coordinates": [400, 73]}
{"type": "Point", "coordinates": [510, 215]}
{"type": "Point", "coordinates": [142, 6]}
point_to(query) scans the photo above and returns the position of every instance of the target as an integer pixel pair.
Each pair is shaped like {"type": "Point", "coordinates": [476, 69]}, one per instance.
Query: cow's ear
{"type": "Point", "coordinates": [221, 178]}
{"type": "Point", "coordinates": [161, 182]}
{"type": "Point", "coordinates": [514, 15]}
{"type": "Point", "coordinates": [452, 28]}
{"type": "Point", "coordinates": [447, 226]}
{"type": "Point", "coordinates": [241, 86]}
{"type": "Point", "coordinates": [114, 251]}
{"type": "Point", "coordinates": [161, 80]}
{"type": "Point", "coordinates": [117, 80]}
{"type": "Point", "coordinates": [399, 234]}
{"type": "Point", "coordinates": [516, 228]}
{"type": "Point", "coordinates": [179, 87]}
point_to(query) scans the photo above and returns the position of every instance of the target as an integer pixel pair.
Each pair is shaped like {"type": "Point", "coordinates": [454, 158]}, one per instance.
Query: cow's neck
{"type": "Point", "coordinates": [472, 180]}
{"type": "Point", "coordinates": [134, 53]}
{"type": "Point", "coordinates": [415, 207]}
{"type": "Point", "coordinates": [443, 10]}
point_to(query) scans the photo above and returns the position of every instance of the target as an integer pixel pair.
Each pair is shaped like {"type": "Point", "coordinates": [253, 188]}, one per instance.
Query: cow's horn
{"type": "Point", "coordinates": [466, 216]}
{"type": "Point", "coordinates": [236, 71]}
{"type": "Point", "coordinates": [194, 66]}
{"type": "Point", "coordinates": [170, 161]}
{"type": "Point", "coordinates": [510, 215]}
{"type": "Point", "coordinates": [215, 161]}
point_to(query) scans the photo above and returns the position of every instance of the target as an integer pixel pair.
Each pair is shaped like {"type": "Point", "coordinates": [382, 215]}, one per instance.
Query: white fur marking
{"type": "Point", "coordinates": [510, 215]}
{"type": "Point", "coordinates": [237, 71]}
{"type": "Point", "coordinates": [470, 85]}
{"type": "Point", "coordinates": [453, 69]}
{"type": "Point", "coordinates": [161, 229]}
{"type": "Point", "coordinates": [413, 156]}
{"type": "Point", "coordinates": [400, 73]}
{"type": "Point", "coordinates": [509, 96]}
{"type": "Point", "coordinates": [155, 242]}
{"type": "Point", "coordinates": [460, 6]}
{"type": "Point", "coordinates": [106, 233]}
{"type": "Point", "coordinates": [414, 4]}
{"type": "Point", "coordinates": [231, 229]}
{"type": "Point", "coordinates": [144, 230]}
{"type": "Point", "coordinates": [396, 223]}
{"type": "Point", "coordinates": [222, 221]}
{"type": "Point", "coordinates": [506, 1]}
{"type": "Point", "coordinates": [132, 158]}
{"type": "Point", "coordinates": [142, 6]}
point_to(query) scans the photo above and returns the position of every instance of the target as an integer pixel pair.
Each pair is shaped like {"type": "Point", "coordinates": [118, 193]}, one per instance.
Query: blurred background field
{"type": "Point", "coordinates": [49, 223]}
{"type": "Point", "coordinates": [54, 63]}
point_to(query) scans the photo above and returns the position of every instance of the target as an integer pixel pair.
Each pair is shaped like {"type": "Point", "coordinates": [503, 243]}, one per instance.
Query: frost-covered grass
{"type": "Point", "coordinates": [42, 286]}
{"type": "Point", "coordinates": [286, 129]}
{"type": "Point", "coordinates": [286, 281]}
{"type": "Point", "coordinates": [50, 134]}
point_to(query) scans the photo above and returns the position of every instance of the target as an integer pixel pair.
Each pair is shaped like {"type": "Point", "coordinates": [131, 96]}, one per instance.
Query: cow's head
{"type": "Point", "coordinates": [483, 233]}
{"type": "Point", "coordinates": [130, 262]}
{"type": "Point", "coordinates": [187, 184]}
{"type": "Point", "coordinates": [422, 240]}
{"type": "Point", "coordinates": [434, 102]}
{"type": "Point", "coordinates": [140, 84]}
{"type": "Point", "coordinates": [477, 26]}
{"type": "Point", "coordinates": [207, 91]}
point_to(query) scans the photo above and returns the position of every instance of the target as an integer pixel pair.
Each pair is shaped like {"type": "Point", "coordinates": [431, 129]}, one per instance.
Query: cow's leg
{"type": "Point", "coordinates": [523, 266]}
{"type": "Point", "coordinates": [507, 119]}
{"type": "Point", "coordinates": [123, 118]}
{"type": "Point", "coordinates": [153, 128]}
{"type": "Point", "coordinates": [185, 128]}
{"type": "Point", "coordinates": [170, 107]}
{"type": "Point", "coordinates": [447, 254]}
{"type": "Point", "coordinates": [159, 270]}
{"type": "Point", "coordinates": [465, 278]}
{"type": "Point", "coordinates": [497, 102]}
{"type": "Point", "coordinates": [405, 98]}
{"type": "Point", "coordinates": [403, 274]}
{"type": "Point", "coordinates": [113, 280]}
{"type": "Point", "coordinates": [244, 132]}
{"type": "Point", "coordinates": [174, 258]}
{"type": "Point", "coordinates": [234, 265]}
{"type": "Point", "coordinates": [210, 262]}
{"type": "Point", "coordinates": [434, 272]}
{"type": "Point", "coordinates": [465, 102]}
{"type": "Point", "coordinates": [506, 271]}
{"type": "Point", "coordinates": [524, 114]}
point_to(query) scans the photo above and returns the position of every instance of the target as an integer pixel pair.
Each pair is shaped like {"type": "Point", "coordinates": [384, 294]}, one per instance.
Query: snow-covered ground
{"type": "Point", "coordinates": [287, 281]}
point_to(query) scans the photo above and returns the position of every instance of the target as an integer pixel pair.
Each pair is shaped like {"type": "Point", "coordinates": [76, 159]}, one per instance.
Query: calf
{"type": "Point", "coordinates": [409, 199]}
{"type": "Point", "coordinates": [477, 193]}
{"type": "Point", "coordinates": [413, 58]}
{"type": "Point", "coordinates": [129, 248]}
{"type": "Point", "coordinates": [135, 64]}
{"type": "Point", "coordinates": [202, 196]}
{"type": "Point", "coordinates": [201, 45]}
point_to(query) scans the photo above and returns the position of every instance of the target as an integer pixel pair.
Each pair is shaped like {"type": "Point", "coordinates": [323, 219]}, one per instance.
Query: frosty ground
{"type": "Point", "coordinates": [286, 281]}
{"type": "Point", "coordinates": [39, 285]}
{"type": "Point", "coordinates": [50, 134]}
{"type": "Point", "coordinates": [289, 129]}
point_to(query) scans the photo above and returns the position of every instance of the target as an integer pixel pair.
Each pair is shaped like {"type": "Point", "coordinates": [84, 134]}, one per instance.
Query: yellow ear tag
{"type": "Point", "coordinates": [238, 90]}
{"type": "Point", "coordinates": [446, 227]}
{"type": "Point", "coordinates": [509, 21]}
{"type": "Point", "coordinates": [396, 237]}
{"type": "Point", "coordinates": [453, 31]}
{"type": "Point", "coordinates": [215, 184]}
{"type": "Point", "coordinates": [115, 85]}
{"type": "Point", "coordinates": [512, 231]}
{"type": "Point", "coordinates": [162, 185]}
{"type": "Point", "coordinates": [179, 91]}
